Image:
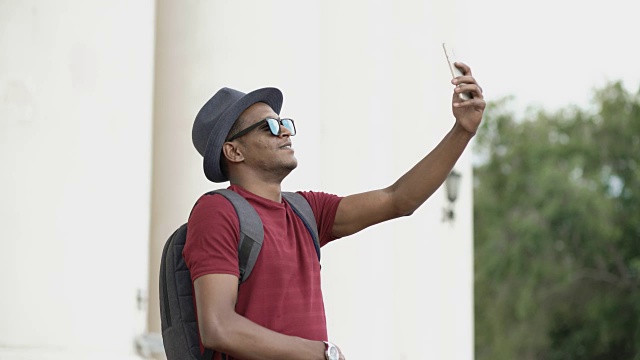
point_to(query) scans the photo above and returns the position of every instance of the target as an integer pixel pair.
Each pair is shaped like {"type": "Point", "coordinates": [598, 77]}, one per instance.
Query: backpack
{"type": "Point", "coordinates": [179, 327]}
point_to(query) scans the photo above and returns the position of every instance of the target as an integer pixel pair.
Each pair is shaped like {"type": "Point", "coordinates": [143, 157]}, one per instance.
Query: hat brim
{"type": "Point", "coordinates": [217, 137]}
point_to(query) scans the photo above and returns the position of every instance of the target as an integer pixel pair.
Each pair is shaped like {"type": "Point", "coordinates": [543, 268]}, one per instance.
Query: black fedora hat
{"type": "Point", "coordinates": [215, 119]}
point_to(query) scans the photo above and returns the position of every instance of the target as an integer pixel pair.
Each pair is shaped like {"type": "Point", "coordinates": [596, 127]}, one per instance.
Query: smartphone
{"type": "Point", "coordinates": [455, 72]}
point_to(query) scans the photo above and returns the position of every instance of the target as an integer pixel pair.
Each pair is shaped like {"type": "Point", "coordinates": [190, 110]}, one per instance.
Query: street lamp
{"type": "Point", "coordinates": [452, 185]}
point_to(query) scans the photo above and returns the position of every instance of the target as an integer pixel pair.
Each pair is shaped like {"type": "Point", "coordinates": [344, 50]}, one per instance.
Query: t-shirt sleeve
{"type": "Point", "coordinates": [324, 208]}
{"type": "Point", "coordinates": [212, 238]}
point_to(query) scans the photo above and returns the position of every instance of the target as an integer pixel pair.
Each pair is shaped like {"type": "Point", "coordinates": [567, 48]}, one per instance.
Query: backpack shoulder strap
{"type": "Point", "coordinates": [251, 231]}
{"type": "Point", "coordinates": [301, 207]}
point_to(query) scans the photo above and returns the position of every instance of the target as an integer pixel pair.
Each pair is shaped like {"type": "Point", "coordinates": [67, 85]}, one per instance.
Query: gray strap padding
{"type": "Point", "coordinates": [251, 231]}
{"type": "Point", "coordinates": [301, 207]}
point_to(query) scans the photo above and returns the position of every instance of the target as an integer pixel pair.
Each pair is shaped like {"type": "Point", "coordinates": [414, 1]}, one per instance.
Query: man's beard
{"type": "Point", "coordinates": [280, 171]}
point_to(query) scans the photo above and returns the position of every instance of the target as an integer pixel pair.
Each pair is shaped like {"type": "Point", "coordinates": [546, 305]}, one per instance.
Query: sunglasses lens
{"type": "Point", "coordinates": [288, 123]}
{"type": "Point", "coordinates": [274, 126]}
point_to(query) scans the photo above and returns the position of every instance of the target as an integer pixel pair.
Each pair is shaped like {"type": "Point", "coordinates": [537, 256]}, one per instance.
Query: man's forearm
{"type": "Point", "coordinates": [241, 338]}
{"type": "Point", "coordinates": [419, 183]}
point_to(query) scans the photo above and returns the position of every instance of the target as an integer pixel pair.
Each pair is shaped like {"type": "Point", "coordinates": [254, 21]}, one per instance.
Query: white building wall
{"type": "Point", "coordinates": [75, 133]}
{"type": "Point", "coordinates": [369, 88]}
{"type": "Point", "coordinates": [400, 290]}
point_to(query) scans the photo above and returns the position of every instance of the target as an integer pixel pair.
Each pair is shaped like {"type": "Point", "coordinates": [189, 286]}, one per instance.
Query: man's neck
{"type": "Point", "coordinates": [267, 190]}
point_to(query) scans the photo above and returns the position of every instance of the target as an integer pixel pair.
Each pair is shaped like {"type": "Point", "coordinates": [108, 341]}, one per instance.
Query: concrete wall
{"type": "Point", "coordinates": [95, 129]}
{"type": "Point", "coordinates": [401, 290]}
{"type": "Point", "coordinates": [75, 149]}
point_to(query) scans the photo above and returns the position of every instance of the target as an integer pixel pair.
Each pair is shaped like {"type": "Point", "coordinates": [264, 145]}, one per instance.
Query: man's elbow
{"type": "Point", "coordinates": [407, 212]}
{"type": "Point", "coordinates": [401, 203]}
{"type": "Point", "coordinates": [403, 208]}
{"type": "Point", "coordinates": [211, 341]}
{"type": "Point", "coordinates": [213, 337]}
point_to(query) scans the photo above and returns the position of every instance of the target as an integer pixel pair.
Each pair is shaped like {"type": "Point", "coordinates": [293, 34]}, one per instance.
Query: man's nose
{"type": "Point", "coordinates": [284, 131]}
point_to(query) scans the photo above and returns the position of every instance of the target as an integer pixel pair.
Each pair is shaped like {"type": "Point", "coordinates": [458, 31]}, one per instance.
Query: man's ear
{"type": "Point", "coordinates": [232, 152]}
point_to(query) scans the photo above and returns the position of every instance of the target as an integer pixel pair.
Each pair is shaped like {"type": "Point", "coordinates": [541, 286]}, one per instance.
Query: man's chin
{"type": "Point", "coordinates": [284, 169]}
{"type": "Point", "coordinates": [291, 166]}
{"type": "Point", "coordinates": [294, 164]}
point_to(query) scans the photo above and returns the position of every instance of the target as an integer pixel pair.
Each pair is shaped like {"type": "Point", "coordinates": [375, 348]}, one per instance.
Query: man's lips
{"type": "Point", "coordinates": [286, 146]}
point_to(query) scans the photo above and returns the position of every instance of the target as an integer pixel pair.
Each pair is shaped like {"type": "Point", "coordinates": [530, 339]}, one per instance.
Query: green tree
{"type": "Point", "coordinates": [557, 231]}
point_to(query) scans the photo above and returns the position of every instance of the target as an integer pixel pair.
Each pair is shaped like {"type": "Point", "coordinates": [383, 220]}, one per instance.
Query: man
{"type": "Point", "coordinates": [278, 312]}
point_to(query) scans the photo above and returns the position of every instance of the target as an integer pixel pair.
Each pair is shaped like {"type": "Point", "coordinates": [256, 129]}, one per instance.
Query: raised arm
{"type": "Point", "coordinates": [222, 329]}
{"type": "Point", "coordinates": [359, 211]}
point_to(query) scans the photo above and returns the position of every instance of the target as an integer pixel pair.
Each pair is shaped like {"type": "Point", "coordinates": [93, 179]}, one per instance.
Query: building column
{"type": "Point", "coordinates": [176, 169]}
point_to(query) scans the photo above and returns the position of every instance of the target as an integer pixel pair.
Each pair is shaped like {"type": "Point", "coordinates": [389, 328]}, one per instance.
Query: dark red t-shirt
{"type": "Point", "coordinates": [283, 291]}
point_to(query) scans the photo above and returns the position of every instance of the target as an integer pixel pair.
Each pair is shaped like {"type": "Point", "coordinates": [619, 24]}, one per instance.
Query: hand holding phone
{"type": "Point", "coordinates": [455, 72]}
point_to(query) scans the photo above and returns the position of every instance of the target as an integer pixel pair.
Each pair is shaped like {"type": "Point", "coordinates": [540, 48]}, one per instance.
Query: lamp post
{"type": "Point", "coordinates": [452, 185]}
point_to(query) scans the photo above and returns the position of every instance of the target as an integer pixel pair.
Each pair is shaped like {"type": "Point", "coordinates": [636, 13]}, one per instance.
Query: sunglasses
{"type": "Point", "coordinates": [274, 127]}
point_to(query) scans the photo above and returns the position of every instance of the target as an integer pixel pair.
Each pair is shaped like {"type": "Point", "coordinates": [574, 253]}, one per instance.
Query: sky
{"type": "Point", "coordinates": [550, 53]}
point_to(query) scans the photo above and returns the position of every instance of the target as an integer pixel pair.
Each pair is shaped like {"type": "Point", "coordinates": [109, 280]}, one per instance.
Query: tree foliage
{"type": "Point", "coordinates": [557, 231]}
